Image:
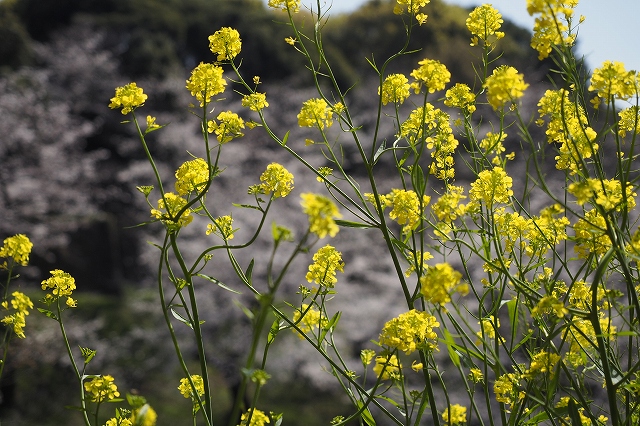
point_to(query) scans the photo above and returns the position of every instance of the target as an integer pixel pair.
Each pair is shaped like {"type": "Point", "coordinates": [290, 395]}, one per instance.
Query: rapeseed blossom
{"type": "Point", "coordinates": [255, 101]}
{"type": "Point", "coordinates": [541, 363]}
{"type": "Point", "coordinates": [412, 6]}
{"type": "Point", "coordinates": [61, 284]}
{"type": "Point", "coordinates": [506, 388]}
{"type": "Point", "coordinates": [205, 82]}
{"type": "Point", "coordinates": [449, 207]}
{"type": "Point", "coordinates": [118, 422]}
{"type": "Point", "coordinates": [225, 43]}
{"type": "Point", "coordinates": [411, 331]}
{"type": "Point", "coordinates": [228, 127]}
{"type": "Point", "coordinates": [192, 176]}
{"type": "Point", "coordinates": [151, 124]}
{"type": "Point", "coordinates": [20, 303]}
{"type": "Point", "coordinates": [186, 389]}
{"type": "Point", "coordinates": [326, 262]}
{"type": "Point", "coordinates": [590, 235]}
{"type": "Point", "coordinates": [629, 121]}
{"type": "Point", "coordinates": [277, 179]}
{"type": "Point", "coordinates": [488, 327]}
{"type": "Point", "coordinates": [551, 27]}
{"type": "Point", "coordinates": [455, 414]}
{"type": "Point", "coordinates": [128, 97]}
{"type": "Point", "coordinates": [484, 22]}
{"type": "Point", "coordinates": [407, 209]}
{"type": "Point", "coordinates": [433, 74]}
{"type": "Point", "coordinates": [222, 226]}
{"type": "Point", "coordinates": [315, 113]}
{"type": "Point", "coordinates": [395, 88]}
{"type": "Point", "coordinates": [491, 186]}
{"type": "Point", "coordinates": [258, 418]}
{"type": "Point", "coordinates": [607, 193]}
{"type": "Point", "coordinates": [492, 144]}
{"type": "Point", "coordinates": [387, 367]}
{"type": "Point", "coordinates": [549, 305]}
{"type": "Point", "coordinates": [144, 416]}
{"type": "Point", "coordinates": [322, 212]}
{"type": "Point", "coordinates": [18, 248]}
{"type": "Point", "coordinates": [101, 389]}
{"type": "Point", "coordinates": [460, 96]}
{"type": "Point", "coordinates": [309, 318]}
{"type": "Point", "coordinates": [504, 85]}
{"type": "Point", "coordinates": [612, 80]}
{"type": "Point", "coordinates": [174, 204]}
{"type": "Point", "coordinates": [439, 282]}
{"type": "Point", "coordinates": [285, 5]}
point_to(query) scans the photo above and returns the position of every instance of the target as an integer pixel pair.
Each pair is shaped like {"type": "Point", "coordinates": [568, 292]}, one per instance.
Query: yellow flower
{"type": "Point", "coordinates": [543, 362]}
{"type": "Point", "coordinates": [276, 179]}
{"type": "Point", "coordinates": [229, 128]}
{"type": "Point", "coordinates": [18, 321]}
{"type": "Point", "coordinates": [225, 43]}
{"type": "Point", "coordinates": [326, 262]}
{"type": "Point", "coordinates": [455, 414]}
{"type": "Point", "coordinates": [128, 97]}
{"type": "Point", "coordinates": [290, 40]}
{"type": "Point", "coordinates": [460, 96]}
{"type": "Point", "coordinates": [629, 121]}
{"type": "Point", "coordinates": [206, 81]}
{"type": "Point", "coordinates": [488, 327]}
{"type": "Point", "coordinates": [613, 80]}
{"type": "Point", "coordinates": [308, 318]}
{"type": "Point", "coordinates": [407, 209]}
{"type": "Point", "coordinates": [174, 203]}
{"type": "Point", "coordinates": [191, 176]}
{"type": "Point", "coordinates": [449, 207]}
{"type": "Point", "coordinates": [506, 388]}
{"type": "Point", "coordinates": [475, 375]}
{"type": "Point", "coordinates": [186, 389]}
{"type": "Point", "coordinates": [432, 73]}
{"type": "Point", "coordinates": [439, 282]}
{"type": "Point", "coordinates": [492, 186]}
{"type": "Point", "coordinates": [285, 5]}
{"type": "Point", "coordinates": [17, 247]}
{"type": "Point", "coordinates": [222, 226]}
{"type": "Point", "coordinates": [315, 113]}
{"type": "Point", "coordinates": [412, 6]}
{"type": "Point", "coordinates": [606, 193]}
{"type": "Point", "coordinates": [410, 332]}
{"type": "Point", "coordinates": [118, 422]}
{"type": "Point", "coordinates": [552, 25]}
{"type": "Point", "coordinates": [549, 305]}
{"type": "Point", "coordinates": [366, 356]}
{"type": "Point", "coordinates": [101, 388]}
{"type": "Point", "coordinates": [144, 416]}
{"type": "Point", "coordinates": [387, 367]}
{"type": "Point", "coordinates": [484, 22]}
{"type": "Point", "coordinates": [504, 85]}
{"type": "Point", "coordinates": [590, 234]}
{"type": "Point", "coordinates": [321, 212]}
{"type": "Point", "coordinates": [61, 284]}
{"type": "Point", "coordinates": [258, 418]}
{"type": "Point", "coordinates": [255, 101]}
{"type": "Point", "coordinates": [395, 88]}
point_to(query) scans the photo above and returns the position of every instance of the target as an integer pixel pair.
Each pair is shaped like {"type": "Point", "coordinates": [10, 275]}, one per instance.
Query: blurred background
{"type": "Point", "coordinates": [69, 168]}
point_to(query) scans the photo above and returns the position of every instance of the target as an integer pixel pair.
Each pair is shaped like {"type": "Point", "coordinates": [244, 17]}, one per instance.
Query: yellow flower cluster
{"type": "Point", "coordinates": [431, 73]}
{"type": "Point", "coordinates": [61, 284]}
{"type": "Point", "coordinates": [491, 186]}
{"type": "Point", "coordinates": [255, 101]}
{"type": "Point", "coordinates": [191, 176]}
{"type": "Point", "coordinates": [582, 335]}
{"type": "Point", "coordinates": [455, 414]}
{"type": "Point", "coordinates": [449, 207]}
{"type": "Point", "coordinates": [101, 388]}
{"type": "Point", "coordinates": [326, 262]}
{"type": "Point", "coordinates": [412, 6]}
{"type": "Point", "coordinates": [315, 113]}
{"type": "Point", "coordinates": [492, 144]}
{"type": "Point", "coordinates": [484, 22]}
{"type": "Point", "coordinates": [549, 305]}
{"type": "Point", "coordinates": [440, 282]}
{"type": "Point", "coordinates": [276, 179]}
{"type": "Point", "coordinates": [174, 203]}
{"type": "Point", "coordinates": [186, 389]}
{"type": "Point", "coordinates": [395, 88]}
{"type": "Point", "coordinates": [144, 416]}
{"type": "Point", "coordinates": [590, 235]}
{"type": "Point", "coordinates": [406, 207]}
{"type": "Point", "coordinates": [222, 226]}
{"type": "Point", "coordinates": [18, 248]}
{"type": "Point", "coordinates": [551, 27]}
{"type": "Point", "coordinates": [322, 212]}
{"type": "Point", "coordinates": [225, 43]}
{"type": "Point", "coordinates": [254, 417]}
{"type": "Point", "coordinates": [308, 318]}
{"type": "Point", "coordinates": [21, 303]}
{"type": "Point", "coordinates": [607, 193]}
{"type": "Point", "coordinates": [506, 388]}
{"type": "Point", "coordinates": [460, 96]}
{"type": "Point", "coordinates": [410, 332]}
{"type": "Point", "coordinates": [206, 81]}
{"type": "Point", "coordinates": [228, 127]}
{"type": "Point", "coordinates": [568, 127]}
{"type": "Point", "coordinates": [285, 5]}
{"type": "Point", "coordinates": [128, 97]}
{"type": "Point", "coordinates": [613, 80]}
{"type": "Point", "coordinates": [629, 121]}
{"type": "Point", "coordinates": [504, 85]}
{"type": "Point", "coordinates": [488, 328]}
{"type": "Point", "coordinates": [118, 422]}
{"type": "Point", "coordinates": [543, 363]}
{"type": "Point", "coordinates": [387, 367]}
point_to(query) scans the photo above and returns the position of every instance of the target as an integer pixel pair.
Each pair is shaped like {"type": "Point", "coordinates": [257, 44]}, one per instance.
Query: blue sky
{"type": "Point", "coordinates": [608, 32]}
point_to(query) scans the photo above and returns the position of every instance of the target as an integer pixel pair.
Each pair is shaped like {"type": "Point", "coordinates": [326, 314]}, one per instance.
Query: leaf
{"type": "Point", "coordinates": [181, 318]}
{"type": "Point", "coordinates": [249, 271]}
{"type": "Point", "coordinates": [247, 206]}
{"type": "Point", "coordinates": [453, 354]}
{"type": "Point", "coordinates": [574, 415]}
{"type": "Point", "coordinates": [365, 414]}
{"type": "Point", "coordinates": [48, 313]}
{"type": "Point", "coordinates": [331, 324]}
{"type": "Point", "coordinates": [285, 138]}
{"type": "Point", "coordinates": [218, 282]}
{"type": "Point", "coordinates": [273, 331]}
{"type": "Point", "coordinates": [379, 152]}
{"type": "Point", "coordinates": [244, 309]}
{"type": "Point", "coordinates": [350, 224]}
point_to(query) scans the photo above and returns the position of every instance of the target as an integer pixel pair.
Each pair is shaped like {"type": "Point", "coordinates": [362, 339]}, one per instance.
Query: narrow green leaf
{"type": "Point", "coordinates": [249, 270]}
{"type": "Point", "coordinates": [285, 138]}
{"type": "Point", "coordinates": [365, 414]}
{"type": "Point", "coordinates": [331, 324]}
{"type": "Point", "coordinates": [48, 313]}
{"type": "Point", "coordinates": [244, 309]}
{"type": "Point", "coordinates": [574, 415]}
{"type": "Point", "coordinates": [453, 354]}
{"type": "Point", "coordinates": [379, 152]}
{"type": "Point", "coordinates": [246, 206]}
{"type": "Point", "coordinates": [218, 282]}
{"type": "Point", "coordinates": [181, 318]}
{"type": "Point", "coordinates": [350, 224]}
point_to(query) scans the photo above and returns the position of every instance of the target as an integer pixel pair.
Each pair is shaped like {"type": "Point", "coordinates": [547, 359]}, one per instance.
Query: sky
{"type": "Point", "coordinates": [608, 33]}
